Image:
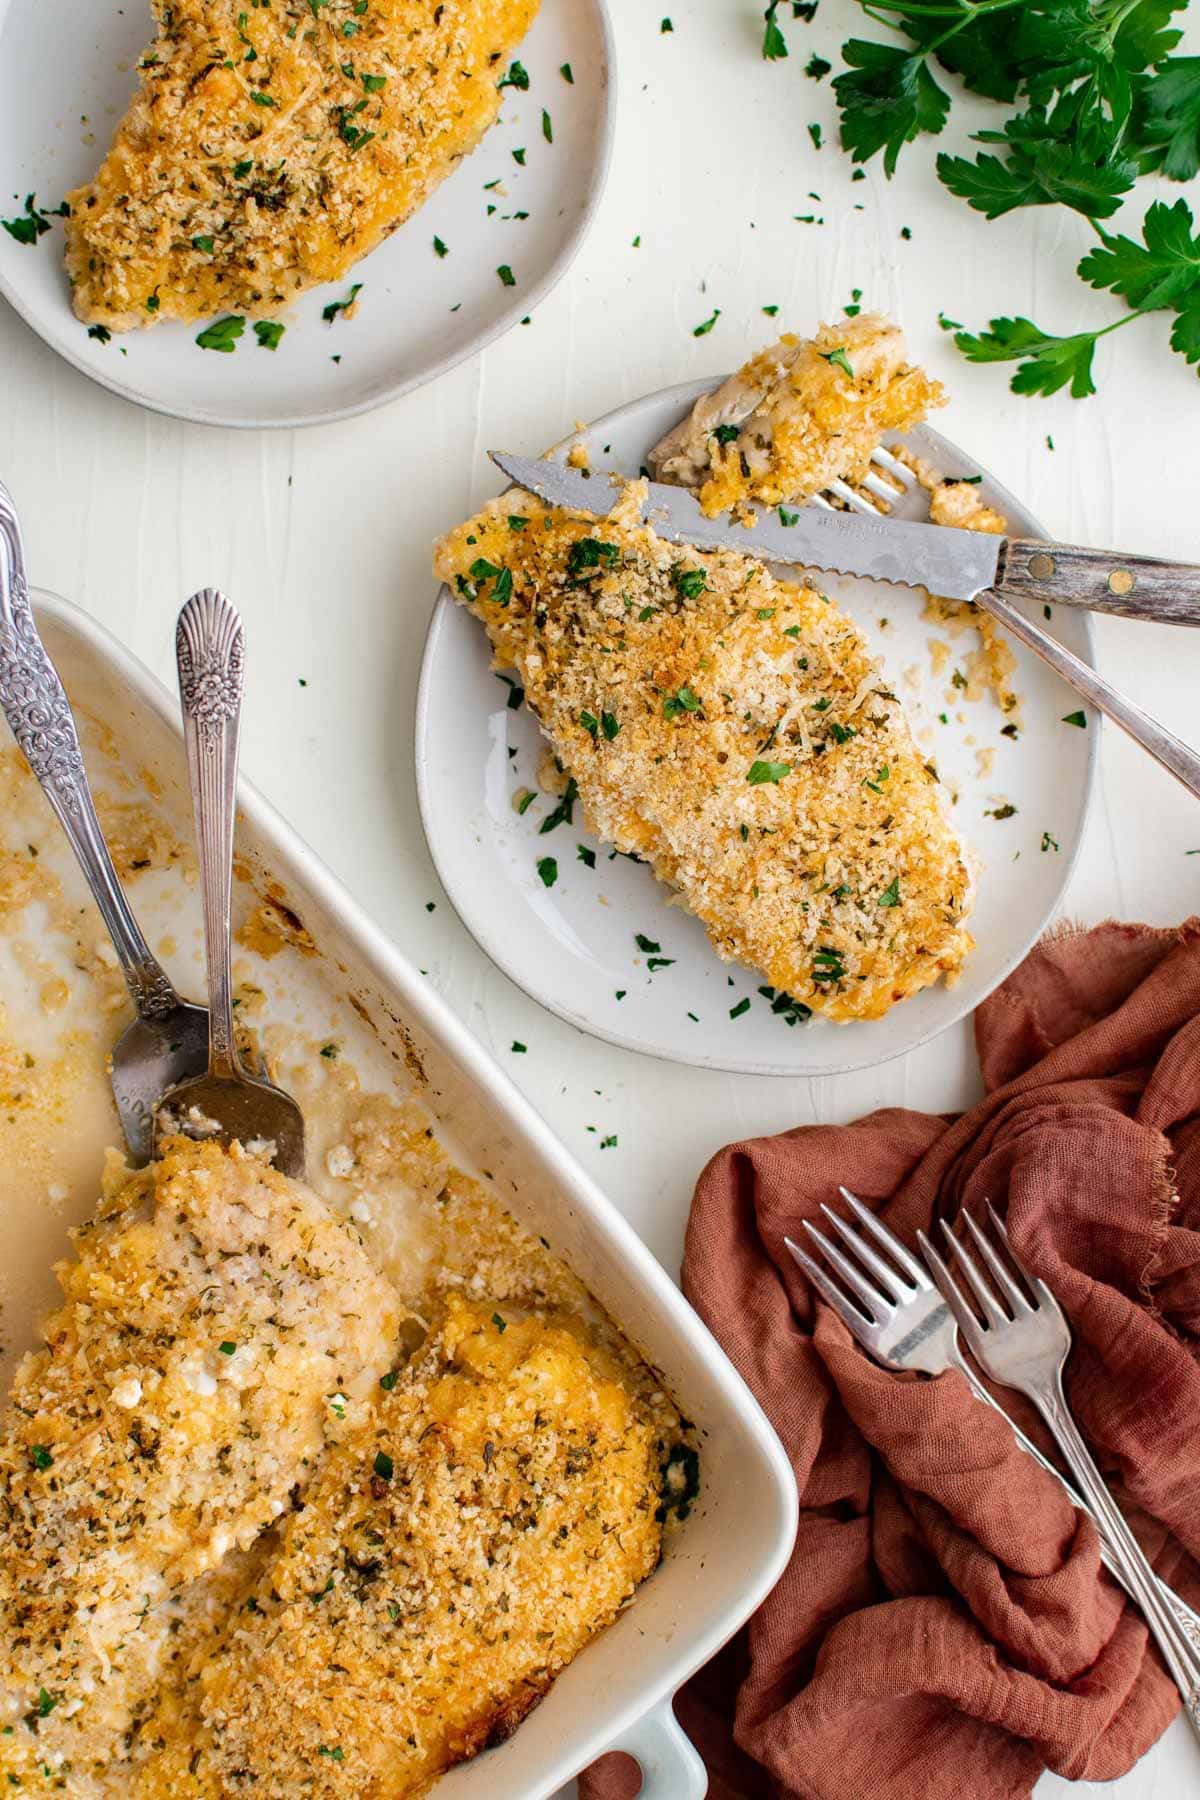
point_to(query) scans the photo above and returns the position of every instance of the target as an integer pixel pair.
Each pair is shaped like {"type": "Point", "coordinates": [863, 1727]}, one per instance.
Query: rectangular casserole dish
{"type": "Point", "coordinates": [727, 1555]}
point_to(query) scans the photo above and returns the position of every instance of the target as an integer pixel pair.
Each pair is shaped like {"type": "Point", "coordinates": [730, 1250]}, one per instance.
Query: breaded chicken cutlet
{"type": "Point", "coordinates": [798, 416]}
{"type": "Point", "coordinates": [733, 731]}
{"type": "Point", "coordinates": [173, 1413]}
{"type": "Point", "coordinates": [271, 146]}
{"type": "Point", "coordinates": [463, 1542]}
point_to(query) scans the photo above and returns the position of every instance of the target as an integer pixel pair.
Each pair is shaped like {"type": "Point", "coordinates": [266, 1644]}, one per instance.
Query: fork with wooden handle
{"type": "Point", "coordinates": [1022, 1340]}
{"type": "Point", "coordinates": [901, 1320]}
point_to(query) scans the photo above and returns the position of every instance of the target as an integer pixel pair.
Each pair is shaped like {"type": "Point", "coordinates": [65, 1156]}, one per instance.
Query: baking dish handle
{"type": "Point", "coordinates": [671, 1768]}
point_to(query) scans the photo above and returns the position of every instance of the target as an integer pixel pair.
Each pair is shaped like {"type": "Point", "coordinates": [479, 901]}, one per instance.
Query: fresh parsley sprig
{"type": "Point", "coordinates": [1093, 98]}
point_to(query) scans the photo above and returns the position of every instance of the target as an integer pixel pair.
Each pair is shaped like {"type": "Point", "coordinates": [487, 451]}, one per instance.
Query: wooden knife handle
{"type": "Point", "coordinates": [1138, 587]}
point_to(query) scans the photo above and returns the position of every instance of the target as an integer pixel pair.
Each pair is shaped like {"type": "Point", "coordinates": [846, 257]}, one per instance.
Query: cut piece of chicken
{"type": "Point", "coordinates": [453, 1553]}
{"type": "Point", "coordinates": [271, 146]}
{"type": "Point", "coordinates": [213, 1310]}
{"type": "Point", "coordinates": [798, 416]}
{"type": "Point", "coordinates": [732, 730]}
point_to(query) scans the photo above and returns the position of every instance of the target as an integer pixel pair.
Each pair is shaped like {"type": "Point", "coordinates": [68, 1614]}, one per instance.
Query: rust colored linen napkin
{"type": "Point", "coordinates": [944, 1629]}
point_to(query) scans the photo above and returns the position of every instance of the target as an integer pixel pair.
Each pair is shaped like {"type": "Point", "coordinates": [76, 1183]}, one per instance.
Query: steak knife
{"type": "Point", "coordinates": [957, 564]}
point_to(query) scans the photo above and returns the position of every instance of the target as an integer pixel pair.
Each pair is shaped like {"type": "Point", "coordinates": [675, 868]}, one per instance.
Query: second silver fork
{"type": "Point", "coordinates": [900, 1318]}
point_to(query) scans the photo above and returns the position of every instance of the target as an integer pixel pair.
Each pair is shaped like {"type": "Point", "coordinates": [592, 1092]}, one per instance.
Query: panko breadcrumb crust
{"type": "Point", "coordinates": [733, 731]}
{"type": "Point", "coordinates": [271, 146]}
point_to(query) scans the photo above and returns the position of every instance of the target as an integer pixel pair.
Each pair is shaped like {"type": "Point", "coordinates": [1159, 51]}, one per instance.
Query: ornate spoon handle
{"type": "Point", "coordinates": [36, 706]}
{"type": "Point", "coordinates": [210, 655]}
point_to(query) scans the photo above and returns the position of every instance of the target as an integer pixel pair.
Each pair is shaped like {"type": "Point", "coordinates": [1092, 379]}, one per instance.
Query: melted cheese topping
{"type": "Point", "coordinates": [273, 144]}
{"type": "Point", "coordinates": [732, 730]}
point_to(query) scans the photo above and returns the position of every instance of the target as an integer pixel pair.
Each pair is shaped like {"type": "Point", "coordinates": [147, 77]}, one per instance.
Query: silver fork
{"type": "Point", "coordinates": [1163, 745]}
{"type": "Point", "coordinates": [1023, 1340]}
{"type": "Point", "coordinates": [901, 1319]}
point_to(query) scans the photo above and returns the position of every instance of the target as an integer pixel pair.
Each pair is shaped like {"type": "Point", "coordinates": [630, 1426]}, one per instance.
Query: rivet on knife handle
{"type": "Point", "coordinates": [1138, 587]}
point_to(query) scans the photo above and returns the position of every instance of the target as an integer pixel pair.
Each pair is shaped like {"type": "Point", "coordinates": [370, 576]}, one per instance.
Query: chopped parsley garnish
{"type": "Point", "coordinates": [1076, 718]}
{"type": "Point", "coordinates": [261, 99]}
{"type": "Point", "coordinates": [383, 1466]}
{"type": "Point", "coordinates": [590, 723]}
{"type": "Point", "coordinates": [689, 584]}
{"type": "Point", "coordinates": [589, 553]}
{"type": "Point", "coordinates": [817, 68]}
{"type": "Point", "coordinates": [439, 249]}
{"type": "Point", "coordinates": [204, 244]}
{"type": "Point", "coordinates": [548, 870]}
{"type": "Point", "coordinates": [563, 812]}
{"type": "Point", "coordinates": [101, 333]}
{"type": "Point", "coordinates": [891, 893]}
{"type": "Point", "coordinates": [41, 1457]}
{"type": "Point", "coordinates": [609, 725]}
{"type": "Point", "coordinates": [659, 962]}
{"type": "Point", "coordinates": [839, 360]}
{"type": "Point", "coordinates": [501, 578]}
{"type": "Point", "coordinates": [841, 734]}
{"type": "Point", "coordinates": [683, 700]}
{"type": "Point", "coordinates": [518, 1048]}
{"type": "Point", "coordinates": [547, 127]}
{"type": "Point", "coordinates": [1007, 811]}
{"type": "Point", "coordinates": [565, 72]}
{"type": "Point", "coordinates": [329, 313]}
{"type": "Point", "coordinates": [759, 772]}
{"type": "Point", "coordinates": [828, 965]}
{"type": "Point", "coordinates": [227, 1348]}
{"type": "Point", "coordinates": [335, 1753]}
{"type": "Point", "coordinates": [519, 157]}
{"type": "Point", "coordinates": [516, 522]}
{"type": "Point", "coordinates": [771, 311]}
{"type": "Point", "coordinates": [222, 334]}
{"type": "Point", "coordinates": [646, 943]}
{"type": "Point", "coordinates": [506, 275]}
{"type": "Point", "coordinates": [703, 329]}
{"type": "Point", "coordinates": [46, 1703]}
{"type": "Point", "coordinates": [587, 857]}
{"type": "Point", "coordinates": [743, 1006]}
{"type": "Point", "coordinates": [268, 332]}
{"type": "Point", "coordinates": [609, 1143]}
{"type": "Point", "coordinates": [774, 44]}
{"type": "Point", "coordinates": [34, 222]}
{"type": "Point", "coordinates": [788, 517]}
{"type": "Point", "coordinates": [792, 1012]}
{"type": "Point", "coordinates": [500, 1323]}
{"type": "Point", "coordinates": [517, 77]}
{"type": "Point", "coordinates": [727, 434]}
{"type": "Point", "coordinates": [242, 169]}
{"type": "Point", "coordinates": [373, 84]}
{"type": "Point", "coordinates": [387, 1382]}
{"type": "Point", "coordinates": [1051, 843]}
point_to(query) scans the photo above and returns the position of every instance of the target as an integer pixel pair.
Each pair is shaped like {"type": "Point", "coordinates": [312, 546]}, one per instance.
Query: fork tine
{"type": "Point", "coordinates": [989, 1305]}
{"type": "Point", "coordinates": [850, 497]}
{"type": "Point", "coordinates": [862, 1328]}
{"type": "Point", "coordinates": [893, 465]}
{"type": "Point", "coordinates": [964, 1318]}
{"type": "Point", "coordinates": [889, 1280]}
{"type": "Point", "coordinates": [1042, 1295]}
{"type": "Point", "coordinates": [1008, 1287]}
{"type": "Point", "coordinates": [887, 490]}
{"type": "Point", "coordinates": [876, 1305]}
{"type": "Point", "coordinates": [891, 1243]}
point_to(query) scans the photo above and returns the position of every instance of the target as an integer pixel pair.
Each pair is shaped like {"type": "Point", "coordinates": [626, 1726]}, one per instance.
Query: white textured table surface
{"type": "Point", "coordinates": [323, 539]}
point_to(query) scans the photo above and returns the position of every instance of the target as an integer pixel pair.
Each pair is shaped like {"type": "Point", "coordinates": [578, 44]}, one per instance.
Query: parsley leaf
{"type": "Point", "coordinates": [222, 334]}
{"type": "Point", "coordinates": [1046, 363]}
{"type": "Point", "coordinates": [774, 45]}
{"type": "Point", "coordinates": [268, 332]}
{"type": "Point", "coordinates": [887, 97]}
{"type": "Point", "coordinates": [759, 773]}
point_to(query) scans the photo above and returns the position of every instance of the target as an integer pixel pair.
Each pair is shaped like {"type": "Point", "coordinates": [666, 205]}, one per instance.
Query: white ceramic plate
{"type": "Point", "coordinates": [66, 74]}
{"type": "Point", "coordinates": [573, 946]}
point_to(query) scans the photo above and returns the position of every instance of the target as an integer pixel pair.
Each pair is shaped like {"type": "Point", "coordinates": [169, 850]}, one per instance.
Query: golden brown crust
{"type": "Point", "coordinates": [734, 731]}
{"type": "Point", "coordinates": [271, 146]}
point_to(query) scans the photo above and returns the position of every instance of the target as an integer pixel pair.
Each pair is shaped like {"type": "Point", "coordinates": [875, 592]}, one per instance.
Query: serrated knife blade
{"type": "Point", "coordinates": [940, 558]}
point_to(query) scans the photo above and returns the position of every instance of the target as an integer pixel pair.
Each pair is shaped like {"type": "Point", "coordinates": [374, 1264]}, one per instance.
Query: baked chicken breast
{"type": "Point", "coordinates": [272, 143]}
{"type": "Point", "coordinates": [803, 413]}
{"type": "Point", "coordinates": [733, 731]}
{"type": "Point", "coordinates": [171, 1415]}
{"type": "Point", "coordinates": [459, 1546]}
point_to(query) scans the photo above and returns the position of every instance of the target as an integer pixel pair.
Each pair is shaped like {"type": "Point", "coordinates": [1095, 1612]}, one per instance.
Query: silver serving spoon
{"type": "Point", "coordinates": [168, 1040]}
{"type": "Point", "coordinates": [226, 1103]}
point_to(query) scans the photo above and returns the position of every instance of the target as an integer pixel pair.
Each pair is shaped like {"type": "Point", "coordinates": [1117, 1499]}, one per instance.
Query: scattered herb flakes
{"type": "Point", "coordinates": [222, 334]}
{"type": "Point", "coordinates": [548, 870]}
{"type": "Point", "coordinates": [814, 132]}
{"type": "Point", "coordinates": [666, 26]}
{"type": "Point", "coordinates": [788, 517]}
{"type": "Point", "coordinates": [518, 1048]}
{"type": "Point", "coordinates": [891, 893]}
{"type": "Point", "coordinates": [499, 1322]}
{"type": "Point", "coordinates": [242, 169]}
{"type": "Point", "coordinates": [32, 223]}
{"type": "Point", "coordinates": [587, 857]}
{"type": "Point", "coordinates": [516, 693]}
{"type": "Point", "coordinates": [792, 1012]}
{"type": "Point", "coordinates": [507, 278]}
{"type": "Point", "coordinates": [610, 725]}
{"type": "Point", "coordinates": [547, 127]}
{"type": "Point", "coordinates": [620, 993]}
{"type": "Point", "coordinates": [774, 44]}
{"type": "Point", "coordinates": [1007, 811]}
{"type": "Point", "coordinates": [645, 943]}
{"type": "Point", "coordinates": [334, 1752]}
{"type": "Point", "coordinates": [743, 1006]}
{"type": "Point", "coordinates": [727, 434]}
{"type": "Point", "coordinates": [565, 72]}
{"type": "Point", "coordinates": [1051, 843]}
{"type": "Point", "coordinates": [523, 799]}
{"type": "Point", "coordinates": [637, 242]}
{"type": "Point", "coordinates": [609, 1143]}
{"type": "Point", "coordinates": [682, 701]}
{"type": "Point", "coordinates": [516, 522]}
{"type": "Point", "coordinates": [41, 1457]}
{"type": "Point", "coordinates": [204, 244]}
{"type": "Point", "coordinates": [101, 333]}
{"type": "Point", "coordinates": [439, 248]}
{"type": "Point", "coordinates": [517, 77]}
{"type": "Point", "coordinates": [590, 553]}
{"type": "Point", "coordinates": [839, 360]}
{"type": "Point", "coordinates": [761, 773]}
{"type": "Point", "coordinates": [1076, 718]}
{"type": "Point", "coordinates": [828, 966]}
{"type": "Point", "coordinates": [268, 332]}
{"type": "Point", "coordinates": [770, 311]}
{"type": "Point", "coordinates": [949, 324]}
{"type": "Point", "coordinates": [689, 584]}
{"type": "Point", "coordinates": [703, 329]}
{"type": "Point", "coordinates": [329, 313]}
{"type": "Point", "coordinates": [227, 1348]}
{"type": "Point", "coordinates": [563, 812]}
{"type": "Point", "coordinates": [519, 158]}
{"type": "Point", "coordinates": [659, 962]}
{"type": "Point", "coordinates": [906, 233]}
{"type": "Point", "coordinates": [590, 723]}
{"type": "Point", "coordinates": [816, 68]}
{"type": "Point", "coordinates": [383, 1465]}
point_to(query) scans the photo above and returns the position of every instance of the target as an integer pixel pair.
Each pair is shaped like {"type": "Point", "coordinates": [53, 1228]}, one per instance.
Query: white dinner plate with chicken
{"type": "Point", "coordinates": [725, 814]}
{"type": "Point", "coordinates": [275, 215]}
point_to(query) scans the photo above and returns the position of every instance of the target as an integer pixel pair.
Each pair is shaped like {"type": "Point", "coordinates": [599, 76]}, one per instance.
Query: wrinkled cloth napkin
{"type": "Point", "coordinates": [944, 1630]}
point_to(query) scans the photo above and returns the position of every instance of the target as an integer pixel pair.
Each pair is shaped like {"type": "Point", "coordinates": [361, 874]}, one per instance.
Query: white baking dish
{"type": "Point", "coordinates": [728, 1554]}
